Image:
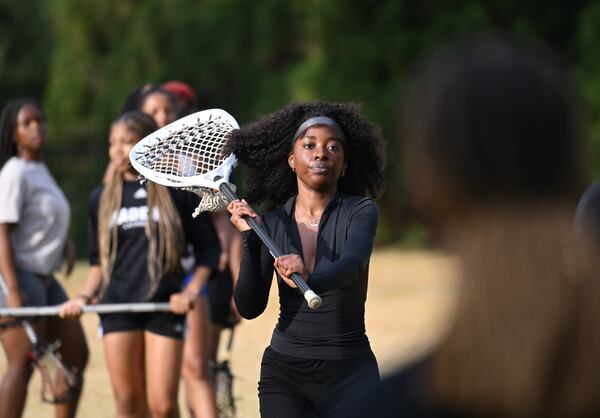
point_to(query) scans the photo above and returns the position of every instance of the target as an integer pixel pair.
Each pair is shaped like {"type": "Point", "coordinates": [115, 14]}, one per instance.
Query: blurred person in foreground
{"type": "Point", "coordinates": [492, 138]}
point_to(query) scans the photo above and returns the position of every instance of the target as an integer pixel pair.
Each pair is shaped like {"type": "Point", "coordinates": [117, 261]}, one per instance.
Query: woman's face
{"type": "Point", "coordinates": [160, 107]}
{"type": "Point", "coordinates": [318, 158]}
{"type": "Point", "coordinates": [120, 142]}
{"type": "Point", "coordinates": [30, 132]}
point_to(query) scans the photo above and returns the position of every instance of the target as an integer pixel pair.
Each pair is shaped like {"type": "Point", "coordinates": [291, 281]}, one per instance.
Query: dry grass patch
{"type": "Point", "coordinates": [409, 304]}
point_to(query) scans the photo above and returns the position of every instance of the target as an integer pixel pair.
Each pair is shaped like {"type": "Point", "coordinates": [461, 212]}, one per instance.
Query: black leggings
{"type": "Point", "coordinates": [293, 387]}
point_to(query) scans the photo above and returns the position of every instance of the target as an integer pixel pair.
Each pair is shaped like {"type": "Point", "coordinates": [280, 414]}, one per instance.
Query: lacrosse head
{"type": "Point", "coordinates": [223, 383]}
{"type": "Point", "coordinates": [59, 384]}
{"type": "Point", "coordinates": [188, 154]}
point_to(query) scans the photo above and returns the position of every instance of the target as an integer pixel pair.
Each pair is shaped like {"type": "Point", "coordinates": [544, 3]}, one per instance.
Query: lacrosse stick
{"type": "Point", "coordinates": [223, 381]}
{"type": "Point", "coordinates": [188, 154]}
{"type": "Point", "coordinates": [59, 383]}
{"type": "Point", "coordinates": [29, 311]}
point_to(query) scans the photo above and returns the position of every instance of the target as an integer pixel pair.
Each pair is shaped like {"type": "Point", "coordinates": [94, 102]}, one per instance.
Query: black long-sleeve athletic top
{"type": "Point", "coordinates": [130, 279]}
{"type": "Point", "coordinates": [344, 244]}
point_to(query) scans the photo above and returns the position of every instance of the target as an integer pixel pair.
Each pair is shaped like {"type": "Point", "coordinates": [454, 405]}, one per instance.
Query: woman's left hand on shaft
{"type": "Point", "coordinates": [182, 302]}
{"type": "Point", "coordinates": [288, 264]}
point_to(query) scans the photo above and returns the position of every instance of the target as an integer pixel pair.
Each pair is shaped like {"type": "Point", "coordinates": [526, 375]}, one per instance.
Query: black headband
{"type": "Point", "coordinates": [319, 120]}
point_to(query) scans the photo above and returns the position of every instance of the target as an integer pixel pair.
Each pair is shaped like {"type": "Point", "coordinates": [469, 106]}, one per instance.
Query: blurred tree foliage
{"type": "Point", "coordinates": [25, 48]}
{"type": "Point", "coordinates": [82, 59]}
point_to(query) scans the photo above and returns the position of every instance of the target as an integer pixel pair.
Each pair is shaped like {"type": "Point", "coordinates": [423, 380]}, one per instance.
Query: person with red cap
{"type": "Point", "coordinates": [185, 96]}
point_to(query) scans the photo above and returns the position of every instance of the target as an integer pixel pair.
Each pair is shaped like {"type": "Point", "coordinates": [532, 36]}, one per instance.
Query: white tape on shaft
{"type": "Point", "coordinates": [314, 301]}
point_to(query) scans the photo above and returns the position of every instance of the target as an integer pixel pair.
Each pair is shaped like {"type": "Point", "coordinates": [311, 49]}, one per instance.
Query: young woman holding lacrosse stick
{"type": "Point", "coordinates": [312, 165]}
{"type": "Point", "coordinates": [136, 240]}
{"type": "Point", "coordinates": [34, 222]}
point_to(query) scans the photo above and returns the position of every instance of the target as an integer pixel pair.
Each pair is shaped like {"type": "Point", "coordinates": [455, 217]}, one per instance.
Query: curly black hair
{"type": "Point", "coordinates": [264, 145]}
{"type": "Point", "coordinates": [8, 124]}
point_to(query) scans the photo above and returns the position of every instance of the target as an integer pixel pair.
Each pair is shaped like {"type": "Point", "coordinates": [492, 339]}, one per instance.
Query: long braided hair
{"type": "Point", "coordinates": [165, 234]}
{"type": "Point", "coordinates": [8, 126]}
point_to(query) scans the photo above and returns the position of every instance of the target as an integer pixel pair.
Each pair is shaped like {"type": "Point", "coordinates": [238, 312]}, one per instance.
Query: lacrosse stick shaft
{"type": "Point", "coordinates": [230, 339]}
{"type": "Point", "coordinates": [106, 308]}
{"type": "Point", "coordinates": [314, 301]}
{"type": "Point", "coordinates": [30, 333]}
{"type": "Point", "coordinates": [26, 325]}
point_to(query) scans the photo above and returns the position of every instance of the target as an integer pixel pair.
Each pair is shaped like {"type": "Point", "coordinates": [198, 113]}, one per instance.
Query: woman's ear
{"type": "Point", "coordinates": [292, 162]}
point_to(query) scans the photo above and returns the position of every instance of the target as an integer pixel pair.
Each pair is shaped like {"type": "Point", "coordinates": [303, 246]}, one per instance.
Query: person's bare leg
{"type": "Point", "coordinates": [13, 389]}
{"type": "Point", "coordinates": [74, 353]}
{"type": "Point", "coordinates": [163, 365]}
{"type": "Point", "coordinates": [200, 394]}
{"type": "Point", "coordinates": [124, 352]}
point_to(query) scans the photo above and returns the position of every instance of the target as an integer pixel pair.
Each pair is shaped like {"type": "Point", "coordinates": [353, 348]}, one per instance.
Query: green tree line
{"type": "Point", "coordinates": [81, 59]}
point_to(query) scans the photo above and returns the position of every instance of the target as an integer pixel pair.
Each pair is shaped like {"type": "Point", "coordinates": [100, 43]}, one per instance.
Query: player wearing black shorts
{"type": "Point", "coordinates": [136, 238]}
{"type": "Point", "coordinates": [34, 226]}
{"type": "Point", "coordinates": [130, 277]}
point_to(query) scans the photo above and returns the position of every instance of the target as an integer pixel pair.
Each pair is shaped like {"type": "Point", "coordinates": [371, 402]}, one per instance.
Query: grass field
{"type": "Point", "coordinates": [409, 304]}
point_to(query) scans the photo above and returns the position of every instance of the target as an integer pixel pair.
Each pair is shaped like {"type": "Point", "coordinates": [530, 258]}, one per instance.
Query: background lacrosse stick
{"type": "Point", "coordinates": [188, 154]}
{"type": "Point", "coordinates": [59, 383]}
{"type": "Point", "coordinates": [223, 380]}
